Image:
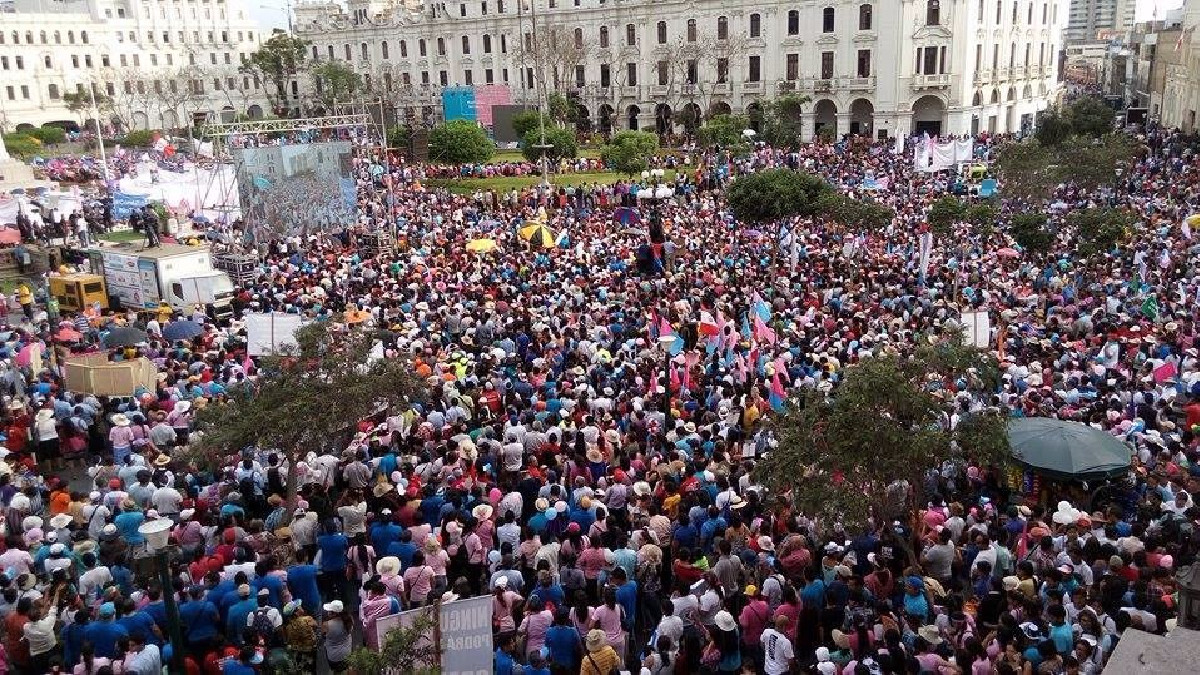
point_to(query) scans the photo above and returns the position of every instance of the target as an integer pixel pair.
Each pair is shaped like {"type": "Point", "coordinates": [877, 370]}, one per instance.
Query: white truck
{"type": "Point", "coordinates": [181, 276]}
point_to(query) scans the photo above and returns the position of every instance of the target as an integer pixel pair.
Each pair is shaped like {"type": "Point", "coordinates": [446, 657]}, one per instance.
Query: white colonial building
{"type": "Point", "coordinates": [159, 62]}
{"type": "Point", "coordinates": [874, 67]}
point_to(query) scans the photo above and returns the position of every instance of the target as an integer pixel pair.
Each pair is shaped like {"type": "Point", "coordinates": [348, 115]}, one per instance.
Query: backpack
{"type": "Point", "coordinates": [261, 623]}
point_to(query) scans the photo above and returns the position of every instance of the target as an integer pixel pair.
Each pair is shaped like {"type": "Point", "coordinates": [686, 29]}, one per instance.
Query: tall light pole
{"type": "Point", "coordinates": [539, 91]}
{"type": "Point", "coordinates": [99, 137]}
{"type": "Point", "coordinates": [666, 342]}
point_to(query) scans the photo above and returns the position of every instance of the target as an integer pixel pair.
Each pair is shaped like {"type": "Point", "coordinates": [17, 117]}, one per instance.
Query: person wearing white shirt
{"type": "Point", "coordinates": [142, 658]}
{"type": "Point", "coordinates": [39, 633]}
{"type": "Point", "coordinates": [95, 578]}
{"type": "Point", "coordinates": [777, 648]}
{"type": "Point", "coordinates": [166, 500]}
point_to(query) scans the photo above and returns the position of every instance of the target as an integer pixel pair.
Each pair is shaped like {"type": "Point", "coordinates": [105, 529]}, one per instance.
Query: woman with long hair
{"type": "Point", "coordinates": [89, 663]}
{"type": "Point", "coordinates": [608, 617]}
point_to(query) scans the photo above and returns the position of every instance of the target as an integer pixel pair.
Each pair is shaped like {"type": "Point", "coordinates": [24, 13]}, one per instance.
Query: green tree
{"type": "Point", "coordinates": [399, 136]}
{"type": "Point", "coordinates": [49, 135]}
{"type": "Point", "coordinates": [1030, 232]}
{"type": "Point", "coordinates": [138, 138]}
{"type": "Point", "coordinates": [561, 109]}
{"type": "Point", "coordinates": [526, 121]}
{"type": "Point", "coordinates": [724, 130]}
{"type": "Point", "coordinates": [831, 463]}
{"type": "Point", "coordinates": [562, 144]}
{"type": "Point", "coordinates": [22, 146]}
{"type": "Point", "coordinates": [1090, 117]}
{"type": "Point", "coordinates": [404, 650]}
{"type": "Point", "coordinates": [628, 152]}
{"type": "Point", "coordinates": [274, 63]}
{"type": "Point", "coordinates": [778, 194]}
{"type": "Point", "coordinates": [1099, 229]}
{"type": "Point", "coordinates": [855, 214]}
{"type": "Point", "coordinates": [1052, 128]}
{"type": "Point", "coordinates": [460, 142]}
{"type": "Point", "coordinates": [309, 397]}
{"type": "Point", "coordinates": [335, 82]}
{"type": "Point", "coordinates": [782, 126]}
{"type": "Point", "coordinates": [944, 213]}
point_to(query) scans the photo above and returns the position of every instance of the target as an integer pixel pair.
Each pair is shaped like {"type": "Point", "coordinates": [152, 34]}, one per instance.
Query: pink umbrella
{"type": "Point", "coordinates": [26, 354]}
{"type": "Point", "coordinates": [68, 335]}
{"type": "Point", "coordinates": [1008, 253]}
{"type": "Point", "coordinates": [10, 235]}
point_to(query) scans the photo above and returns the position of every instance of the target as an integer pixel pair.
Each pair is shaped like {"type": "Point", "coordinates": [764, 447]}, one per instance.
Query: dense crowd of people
{"type": "Point", "coordinates": [546, 472]}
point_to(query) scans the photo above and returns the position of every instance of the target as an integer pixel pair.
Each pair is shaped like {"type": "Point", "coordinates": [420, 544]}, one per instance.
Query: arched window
{"type": "Point", "coordinates": [827, 17]}
{"type": "Point", "coordinates": [755, 25]}
{"type": "Point", "coordinates": [383, 46]}
{"type": "Point", "coordinates": [349, 56]}
{"type": "Point", "coordinates": [578, 38]}
{"type": "Point", "coordinates": [57, 38]}
{"type": "Point", "coordinates": [933, 13]}
{"type": "Point", "coordinates": [722, 28]}
{"type": "Point", "coordinates": [53, 91]}
{"type": "Point", "coordinates": [83, 37]}
{"type": "Point", "coordinates": [604, 37]}
{"type": "Point", "coordinates": [864, 17]}
{"type": "Point", "coordinates": [661, 32]}
{"type": "Point", "coordinates": [71, 37]}
{"type": "Point", "coordinates": [691, 30]}
{"type": "Point", "coordinates": [366, 55]}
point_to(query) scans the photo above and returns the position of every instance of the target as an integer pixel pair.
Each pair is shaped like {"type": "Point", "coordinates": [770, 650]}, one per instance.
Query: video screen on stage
{"type": "Point", "coordinates": [296, 190]}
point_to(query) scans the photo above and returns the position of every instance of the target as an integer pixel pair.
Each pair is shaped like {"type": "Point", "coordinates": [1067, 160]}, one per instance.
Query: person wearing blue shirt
{"type": "Point", "coordinates": [200, 620]}
{"type": "Point", "coordinates": [235, 622]}
{"type": "Point", "coordinates": [711, 528]}
{"type": "Point", "coordinates": [223, 587]}
{"type": "Point", "coordinates": [273, 585]}
{"type": "Point", "coordinates": [384, 532]}
{"type": "Point", "coordinates": [128, 522]}
{"type": "Point", "coordinates": [122, 577]}
{"type": "Point", "coordinates": [105, 632]}
{"type": "Point", "coordinates": [813, 593]}
{"type": "Point", "coordinates": [431, 506]}
{"type": "Point", "coordinates": [403, 549]}
{"type": "Point", "coordinates": [332, 547]}
{"type": "Point", "coordinates": [157, 609]}
{"type": "Point", "coordinates": [242, 664]}
{"type": "Point", "coordinates": [563, 643]}
{"type": "Point", "coordinates": [505, 663]}
{"type": "Point", "coordinates": [73, 636]}
{"type": "Point", "coordinates": [549, 590]}
{"type": "Point", "coordinates": [139, 623]}
{"type": "Point", "coordinates": [302, 582]}
{"type": "Point", "coordinates": [1060, 631]}
{"type": "Point", "coordinates": [685, 536]}
{"type": "Point", "coordinates": [626, 597]}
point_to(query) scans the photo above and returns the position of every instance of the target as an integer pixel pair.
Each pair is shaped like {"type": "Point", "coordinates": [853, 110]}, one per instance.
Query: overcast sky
{"type": "Point", "coordinates": [273, 13]}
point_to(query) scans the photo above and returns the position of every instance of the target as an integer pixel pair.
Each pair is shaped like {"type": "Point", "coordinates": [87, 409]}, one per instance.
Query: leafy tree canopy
{"type": "Point", "coordinates": [460, 142]}
{"type": "Point", "coordinates": [336, 82]}
{"type": "Point", "coordinates": [629, 151]}
{"type": "Point", "coordinates": [1031, 170]}
{"type": "Point", "coordinates": [883, 423]}
{"type": "Point", "coordinates": [526, 121]}
{"type": "Point", "coordinates": [1100, 229]}
{"type": "Point", "coordinates": [777, 194]}
{"type": "Point", "coordinates": [1030, 232]}
{"type": "Point", "coordinates": [724, 130]}
{"type": "Point", "coordinates": [562, 144]}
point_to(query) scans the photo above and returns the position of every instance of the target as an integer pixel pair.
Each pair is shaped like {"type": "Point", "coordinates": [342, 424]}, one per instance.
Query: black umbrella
{"type": "Point", "coordinates": [124, 337]}
{"type": "Point", "coordinates": [181, 330]}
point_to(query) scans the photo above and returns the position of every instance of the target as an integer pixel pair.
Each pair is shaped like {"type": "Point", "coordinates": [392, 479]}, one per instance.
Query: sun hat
{"type": "Point", "coordinates": [595, 640]}
{"type": "Point", "coordinates": [482, 511]}
{"type": "Point", "coordinates": [60, 521]}
{"type": "Point", "coordinates": [335, 607]}
{"type": "Point", "coordinates": [388, 565]}
{"type": "Point", "coordinates": [930, 634]}
{"type": "Point", "coordinates": [724, 621]}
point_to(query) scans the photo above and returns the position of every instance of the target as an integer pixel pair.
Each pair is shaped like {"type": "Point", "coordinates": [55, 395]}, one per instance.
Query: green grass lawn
{"type": "Point", "coordinates": [516, 156]}
{"type": "Point", "coordinates": [506, 183]}
{"type": "Point", "coordinates": [122, 236]}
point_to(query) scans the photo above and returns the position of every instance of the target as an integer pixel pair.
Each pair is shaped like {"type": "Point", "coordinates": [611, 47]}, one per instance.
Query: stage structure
{"type": "Point", "coordinates": [301, 187]}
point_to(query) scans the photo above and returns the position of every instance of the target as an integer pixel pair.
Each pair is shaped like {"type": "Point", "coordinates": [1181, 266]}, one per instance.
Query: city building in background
{"type": "Point", "coordinates": [1098, 20]}
{"type": "Point", "coordinates": [154, 64]}
{"type": "Point", "coordinates": [872, 68]}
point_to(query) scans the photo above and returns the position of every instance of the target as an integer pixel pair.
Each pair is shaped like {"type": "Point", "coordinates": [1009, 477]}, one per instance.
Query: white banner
{"type": "Point", "coordinates": [465, 627]}
{"type": "Point", "coordinates": [977, 329]}
{"type": "Point", "coordinates": [269, 332]}
{"type": "Point", "coordinates": [926, 248]}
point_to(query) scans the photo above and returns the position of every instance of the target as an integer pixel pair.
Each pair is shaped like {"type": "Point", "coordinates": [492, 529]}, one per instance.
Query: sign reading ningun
{"type": "Point", "coordinates": [466, 634]}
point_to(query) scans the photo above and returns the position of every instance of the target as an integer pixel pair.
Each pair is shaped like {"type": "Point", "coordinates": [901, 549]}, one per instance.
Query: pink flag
{"type": "Point", "coordinates": [664, 327]}
{"type": "Point", "coordinates": [764, 332]}
{"type": "Point", "coordinates": [1165, 372]}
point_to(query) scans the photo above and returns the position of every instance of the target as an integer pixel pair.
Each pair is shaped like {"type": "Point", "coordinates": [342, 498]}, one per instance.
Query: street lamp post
{"type": "Point", "coordinates": [667, 341]}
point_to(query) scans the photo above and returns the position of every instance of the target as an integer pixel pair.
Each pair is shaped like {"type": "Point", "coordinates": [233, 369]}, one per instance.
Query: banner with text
{"type": "Point", "coordinates": [465, 627]}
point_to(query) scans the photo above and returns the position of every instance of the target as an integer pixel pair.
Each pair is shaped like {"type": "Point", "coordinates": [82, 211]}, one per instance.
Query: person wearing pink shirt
{"type": "Point", "coordinates": [418, 578]}
{"type": "Point", "coordinates": [504, 604]}
{"type": "Point", "coordinates": [534, 626]}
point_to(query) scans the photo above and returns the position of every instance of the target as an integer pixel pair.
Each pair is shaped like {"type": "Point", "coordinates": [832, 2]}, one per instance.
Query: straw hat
{"type": "Point", "coordinates": [930, 634]}
{"type": "Point", "coordinates": [388, 565]}
{"type": "Point", "coordinates": [335, 607]}
{"type": "Point", "coordinates": [432, 545]}
{"type": "Point", "coordinates": [60, 521]}
{"type": "Point", "coordinates": [119, 420]}
{"type": "Point", "coordinates": [482, 511]}
{"type": "Point", "coordinates": [595, 640]}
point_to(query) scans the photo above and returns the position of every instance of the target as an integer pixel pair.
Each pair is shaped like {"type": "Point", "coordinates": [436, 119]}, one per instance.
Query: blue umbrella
{"type": "Point", "coordinates": [203, 220]}
{"type": "Point", "coordinates": [181, 330]}
{"type": "Point", "coordinates": [17, 191]}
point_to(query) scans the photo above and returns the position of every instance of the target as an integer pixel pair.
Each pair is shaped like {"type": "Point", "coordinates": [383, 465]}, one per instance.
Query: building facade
{"type": "Point", "coordinates": [1181, 85]}
{"type": "Point", "coordinates": [157, 63]}
{"type": "Point", "coordinates": [869, 67]}
{"type": "Point", "coordinates": [1098, 20]}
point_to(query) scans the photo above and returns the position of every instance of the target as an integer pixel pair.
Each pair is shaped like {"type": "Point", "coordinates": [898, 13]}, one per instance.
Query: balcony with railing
{"type": "Point", "coordinates": [785, 86]}
{"type": "Point", "coordinates": [861, 83]}
{"type": "Point", "coordinates": [1004, 74]}
{"type": "Point", "coordinates": [982, 76]}
{"type": "Point", "coordinates": [934, 81]}
{"type": "Point", "coordinates": [752, 86]}
{"type": "Point", "coordinates": [823, 85]}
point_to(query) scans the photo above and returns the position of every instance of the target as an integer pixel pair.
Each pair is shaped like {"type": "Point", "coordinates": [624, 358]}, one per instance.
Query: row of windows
{"type": "Point", "coordinates": [18, 62]}
{"type": "Point", "coordinates": [1048, 10]}
{"type": "Point", "coordinates": [140, 87]}
{"type": "Point", "coordinates": [15, 37]}
{"type": "Point", "coordinates": [1012, 56]}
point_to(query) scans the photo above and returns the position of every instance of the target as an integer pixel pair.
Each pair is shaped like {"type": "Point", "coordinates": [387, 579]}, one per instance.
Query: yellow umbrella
{"type": "Point", "coordinates": [538, 235]}
{"type": "Point", "coordinates": [356, 316]}
{"type": "Point", "coordinates": [481, 245]}
{"type": "Point", "coordinates": [1193, 220]}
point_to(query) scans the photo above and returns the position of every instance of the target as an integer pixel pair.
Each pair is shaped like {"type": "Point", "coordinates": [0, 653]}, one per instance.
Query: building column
{"type": "Point", "coordinates": [807, 124]}
{"type": "Point", "coordinates": [843, 125]}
